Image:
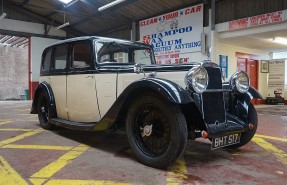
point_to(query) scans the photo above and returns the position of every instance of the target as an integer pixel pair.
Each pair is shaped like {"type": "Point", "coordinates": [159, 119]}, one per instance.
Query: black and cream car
{"type": "Point", "coordinates": [96, 83]}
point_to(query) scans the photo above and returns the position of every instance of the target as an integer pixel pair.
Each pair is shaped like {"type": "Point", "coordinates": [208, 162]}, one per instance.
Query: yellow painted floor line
{"type": "Point", "coordinates": [279, 154]}
{"type": "Point", "coordinates": [38, 147]}
{"type": "Point", "coordinates": [83, 182]}
{"type": "Point", "coordinates": [16, 129]}
{"type": "Point", "coordinates": [271, 137]}
{"type": "Point", "coordinates": [177, 173]}
{"type": "Point", "coordinates": [8, 175]}
{"type": "Point", "coordinates": [52, 168]}
{"type": "Point", "coordinates": [5, 122]}
{"type": "Point", "coordinates": [19, 137]}
{"type": "Point", "coordinates": [37, 181]}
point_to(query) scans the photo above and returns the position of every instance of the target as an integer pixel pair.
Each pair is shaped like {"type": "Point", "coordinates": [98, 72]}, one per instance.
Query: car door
{"type": "Point", "coordinates": [82, 102]}
{"type": "Point", "coordinates": [58, 79]}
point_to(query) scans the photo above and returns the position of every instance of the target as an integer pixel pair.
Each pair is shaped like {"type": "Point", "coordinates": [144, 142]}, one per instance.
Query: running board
{"type": "Point", "coordinates": [72, 124]}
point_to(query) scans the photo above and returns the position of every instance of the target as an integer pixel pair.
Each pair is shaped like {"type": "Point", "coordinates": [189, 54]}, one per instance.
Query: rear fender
{"type": "Point", "coordinates": [44, 87]}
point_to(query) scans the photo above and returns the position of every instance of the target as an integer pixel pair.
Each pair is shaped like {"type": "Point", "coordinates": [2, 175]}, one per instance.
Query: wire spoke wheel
{"type": "Point", "coordinates": [156, 130]}
{"type": "Point", "coordinates": [153, 142]}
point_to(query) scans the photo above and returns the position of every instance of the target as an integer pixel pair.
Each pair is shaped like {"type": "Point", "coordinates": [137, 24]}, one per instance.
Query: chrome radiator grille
{"type": "Point", "coordinates": [212, 101]}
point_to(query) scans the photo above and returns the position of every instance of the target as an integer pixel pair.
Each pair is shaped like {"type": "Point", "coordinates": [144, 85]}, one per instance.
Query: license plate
{"type": "Point", "coordinates": [223, 141]}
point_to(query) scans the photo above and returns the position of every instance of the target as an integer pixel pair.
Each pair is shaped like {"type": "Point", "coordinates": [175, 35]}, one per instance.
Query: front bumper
{"type": "Point", "coordinates": [232, 125]}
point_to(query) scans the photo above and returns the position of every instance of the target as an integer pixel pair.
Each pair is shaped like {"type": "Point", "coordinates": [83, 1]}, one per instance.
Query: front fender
{"type": "Point", "coordinates": [44, 87]}
{"type": "Point", "coordinates": [168, 89]}
{"type": "Point", "coordinates": [242, 101]}
{"type": "Point", "coordinates": [248, 96]}
{"type": "Point", "coordinates": [165, 88]}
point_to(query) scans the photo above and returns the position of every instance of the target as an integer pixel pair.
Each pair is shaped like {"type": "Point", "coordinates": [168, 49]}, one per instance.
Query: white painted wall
{"type": "Point", "coordinates": [38, 44]}
{"type": "Point", "coordinates": [230, 50]}
{"type": "Point", "coordinates": [29, 27]}
{"type": "Point", "coordinates": [279, 55]}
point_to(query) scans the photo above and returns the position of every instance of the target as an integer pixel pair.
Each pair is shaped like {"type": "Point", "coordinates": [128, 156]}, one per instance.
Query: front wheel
{"type": "Point", "coordinates": [156, 131]}
{"type": "Point", "coordinates": [248, 135]}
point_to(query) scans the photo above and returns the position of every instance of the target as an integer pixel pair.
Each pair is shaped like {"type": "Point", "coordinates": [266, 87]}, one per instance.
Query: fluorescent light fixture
{"type": "Point", "coordinates": [110, 5]}
{"type": "Point", "coordinates": [66, 1]}
{"type": "Point", "coordinates": [2, 16]}
{"type": "Point", "coordinates": [63, 25]}
{"type": "Point", "coordinates": [280, 40]}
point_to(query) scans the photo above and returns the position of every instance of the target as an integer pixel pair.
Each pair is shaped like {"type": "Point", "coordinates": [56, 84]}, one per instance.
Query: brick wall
{"type": "Point", "coordinates": [13, 72]}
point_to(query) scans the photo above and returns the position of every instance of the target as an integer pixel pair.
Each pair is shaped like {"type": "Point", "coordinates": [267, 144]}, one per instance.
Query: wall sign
{"type": "Point", "coordinates": [174, 34]}
{"type": "Point", "coordinates": [223, 64]}
{"type": "Point", "coordinates": [276, 78]}
{"type": "Point", "coordinates": [258, 20]}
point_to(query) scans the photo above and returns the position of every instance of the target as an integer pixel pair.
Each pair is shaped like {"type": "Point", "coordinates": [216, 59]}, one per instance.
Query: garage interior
{"type": "Point", "coordinates": [32, 155]}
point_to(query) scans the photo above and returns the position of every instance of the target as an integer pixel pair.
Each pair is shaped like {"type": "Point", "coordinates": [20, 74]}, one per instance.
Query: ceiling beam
{"type": "Point", "coordinates": [24, 3]}
{"type": "Point", "coordinates": [41, 18]}
{"type": "Point", "coordinates": [24, 34]}
{"type": "Point", "coordinates": [159, 13]}
{"type": "Point", "coordinates": [90, 17]}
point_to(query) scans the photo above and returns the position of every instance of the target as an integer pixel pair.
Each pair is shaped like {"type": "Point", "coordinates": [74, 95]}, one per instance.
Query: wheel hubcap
{"type": "Point", "coordinates": [146, 131]}
{"type": "Point", "coordinates": [152, 130]}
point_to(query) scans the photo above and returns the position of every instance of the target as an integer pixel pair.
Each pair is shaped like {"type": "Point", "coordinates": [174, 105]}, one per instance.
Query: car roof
{"type": "Point", "coordinates": [103, 39]}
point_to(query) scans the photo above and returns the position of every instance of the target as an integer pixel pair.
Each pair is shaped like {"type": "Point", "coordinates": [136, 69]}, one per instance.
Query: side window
{"type": "Point", "coordinates": [121, 57]}
{"type": "Point", "coordinates": [60, 57]}
{"type": "Point", "coordinates": [108, 52]}
{"type": "Point", "coordinates": [46, 60]}
{"type": "Point", "coordinates": [82, 56]}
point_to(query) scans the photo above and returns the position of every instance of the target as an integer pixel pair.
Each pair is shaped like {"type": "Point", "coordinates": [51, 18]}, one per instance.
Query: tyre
{"type": "Point", "coordinates": [156, 130]}
{"type": "Point", "coordinates": [248, 135]}
{"type": "Point", "coordinates": [43, 112]}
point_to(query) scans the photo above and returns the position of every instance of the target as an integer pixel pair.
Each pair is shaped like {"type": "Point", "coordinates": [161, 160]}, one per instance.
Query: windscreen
{"type": "Point", "coordinates": [114, 52]}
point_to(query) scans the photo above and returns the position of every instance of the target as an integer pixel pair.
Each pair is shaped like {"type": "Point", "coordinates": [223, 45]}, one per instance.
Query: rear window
{"type": "Point", "coordinates": [60, 57]}
{"type": "Point", "coordinates": [46, 60]}
{"type": "Point", "coordinates": [82, 56]}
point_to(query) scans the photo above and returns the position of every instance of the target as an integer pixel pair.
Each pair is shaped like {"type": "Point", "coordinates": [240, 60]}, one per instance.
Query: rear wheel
{"type": "Point", "coordinates": [156, 131]}
{"type": "Point", "coordinates": [248, 135]}
{"type": "Point", "coordinates": [43, 112]}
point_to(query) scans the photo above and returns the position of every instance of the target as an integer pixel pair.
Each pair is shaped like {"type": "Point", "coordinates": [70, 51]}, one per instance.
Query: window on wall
{"type": "Point", "coordinates": [60, 57]}
{"type": "Point", "coordinates": [82, 55]}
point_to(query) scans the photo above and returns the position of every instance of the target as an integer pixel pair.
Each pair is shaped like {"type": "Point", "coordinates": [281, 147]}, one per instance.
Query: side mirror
{"type": "Point", "coordinates": [138, 68]}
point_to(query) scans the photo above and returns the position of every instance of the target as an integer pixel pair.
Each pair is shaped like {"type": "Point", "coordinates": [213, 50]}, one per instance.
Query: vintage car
{"type": "Point", "coordinates": [96, 83]}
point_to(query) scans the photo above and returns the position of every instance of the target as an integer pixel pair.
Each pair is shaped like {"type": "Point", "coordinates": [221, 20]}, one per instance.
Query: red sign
{"type": "Point", "coordinates": [258, 20]}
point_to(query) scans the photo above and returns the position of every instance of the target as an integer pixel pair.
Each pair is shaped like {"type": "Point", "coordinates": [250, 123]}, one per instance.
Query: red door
{"type": "Point", "coordinates": [251, 68]}
{"type": "Point", "coordinates": [252, 71]}
{"type": "Point", "coordinates": [241, 64]}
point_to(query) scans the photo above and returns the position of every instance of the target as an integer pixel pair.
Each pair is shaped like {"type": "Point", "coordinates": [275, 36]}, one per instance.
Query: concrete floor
{"type": "Point", "coordinates": [31, 155]}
